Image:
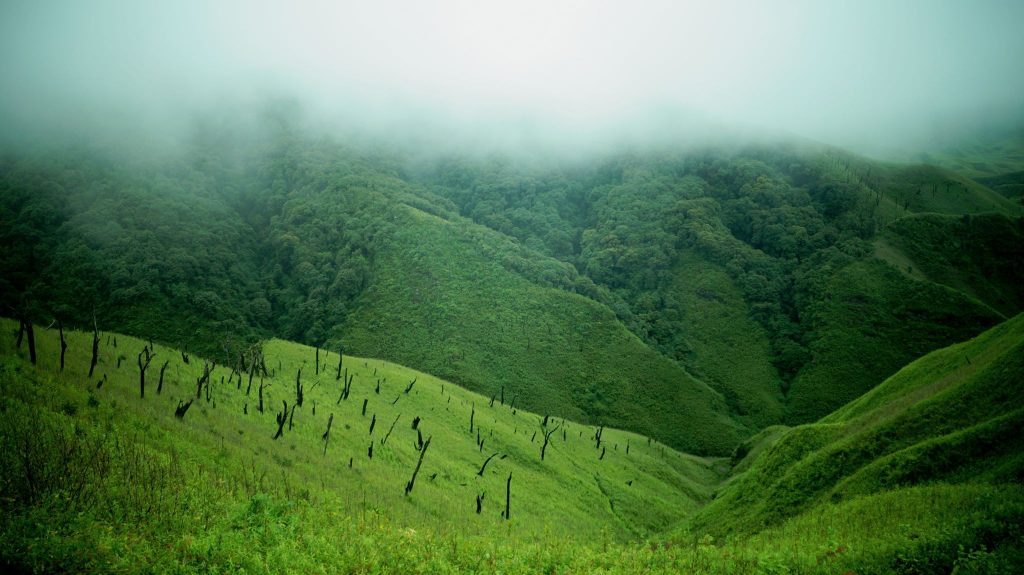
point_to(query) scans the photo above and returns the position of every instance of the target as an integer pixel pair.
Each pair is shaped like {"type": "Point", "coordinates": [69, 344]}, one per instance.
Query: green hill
{"type": "Point", "coordinates": [121, 460]}
{"type": "Point", "coordinates": [922, 474]}
{"type": "Point", "coordinates": [695, 296]}
{"type": "Point", "coordinates": [927, 461]}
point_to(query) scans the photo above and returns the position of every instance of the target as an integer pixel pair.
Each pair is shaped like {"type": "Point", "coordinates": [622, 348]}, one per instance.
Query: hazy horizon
{"type": "Point", "coordinates": [873, 76]}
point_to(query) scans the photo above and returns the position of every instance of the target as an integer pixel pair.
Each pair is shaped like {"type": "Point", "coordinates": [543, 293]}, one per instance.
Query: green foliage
{"type": "Point", "coordinates": [947, 417]}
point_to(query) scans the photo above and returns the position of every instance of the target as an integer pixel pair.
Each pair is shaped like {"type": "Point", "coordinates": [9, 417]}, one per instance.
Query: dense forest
{"type": "Point", "coordinates": [723, 288]}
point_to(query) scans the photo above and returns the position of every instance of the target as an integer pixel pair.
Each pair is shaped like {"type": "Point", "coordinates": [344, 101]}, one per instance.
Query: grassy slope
{"type": "Point", "coordinates": [572, 492]}
{"type": "Point", "coordinates": [724, 346]}
{"type": "Point", "coordinates": [1010, 184]}
{"type": "Point", "coordinates": [947, 418]}
{"type": "Point", "coordinates": [981, 256]}
{"type": "Point", "coordinates": [447, 301]}
{"type": "Point", "coordinates": [873, 321]}
{"type": "Point", "coordinates": [214, 493]}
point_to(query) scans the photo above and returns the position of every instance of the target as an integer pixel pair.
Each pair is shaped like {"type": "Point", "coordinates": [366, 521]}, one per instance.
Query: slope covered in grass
{"type": "Point", "coordinates": [100, 479]}
{"type": "Point", "coordinates": [628, 486]}
{"type": "Point", "coordinates": [952, 417]}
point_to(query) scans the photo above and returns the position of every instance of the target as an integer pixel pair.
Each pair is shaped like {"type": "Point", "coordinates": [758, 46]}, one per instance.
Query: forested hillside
{"type": "Point", "coordinates": [696, 295]}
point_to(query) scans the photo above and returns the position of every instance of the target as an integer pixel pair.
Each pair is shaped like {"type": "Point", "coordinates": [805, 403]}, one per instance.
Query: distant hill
{"type": "Point", "coordinates": [694, 295]}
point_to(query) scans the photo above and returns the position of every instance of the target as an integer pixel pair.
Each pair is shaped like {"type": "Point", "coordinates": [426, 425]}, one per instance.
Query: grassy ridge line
{"type": "Point", "coordinates": [573, 492]}
{"type": "Point", "coordinates": [947, 417]}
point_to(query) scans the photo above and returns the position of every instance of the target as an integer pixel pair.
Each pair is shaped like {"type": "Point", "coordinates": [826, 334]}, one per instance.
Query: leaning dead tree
{"type": "Point", "coordinates": [388, 434]}
{"type": "Point", "coordinates": [182, 409]}
{"type": "Point", "coordinates": [203, 380]}
{"type": "Point", "coordinates": [409, 387]}
{"type": "Point", "coordinates": [423, 452]}
{"type": "Point", "coordinates": [160, 385]}
{"type": "Point", "coordinates": [327, 434]}
{"type": "Point", "coordinates": [486, 461]}
{"type": "Point", "coordinates": [282, 418]}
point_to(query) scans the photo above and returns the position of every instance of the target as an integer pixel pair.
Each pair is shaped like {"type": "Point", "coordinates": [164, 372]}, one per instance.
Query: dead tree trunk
{"type": "Point", "coordinates": [291, 417]}
{"type": "Point", "coordinates": [472, 413]}
{"type": "Point", "coordinates": [282, 418]}
{"type": "Point", "coordinates": [409, 387]}
{"type": "Point", "coordinates": [373, 423]}
{"type": "Point", "coordinates": [480, 502]}
{"type": "Point", "coordinates": [182, 409]}
{"type": "Point", "coordinates": [298, 387]}
{"type": "Point", "coordinates": [30, 334]}
{"type": "Point", "coordinates": [260, 408]}
{"type": "Point", "coordinates": [142, 371]}
{"type": "Point", "coordinates": [63, 343]}
{"type": "Point", "coordinates": [327, 434]}
{"type": "Point", "coordinates": [364, 406]}
{"type": "Point", "coordinates": [316, 369]}
{"type": "Point", "coordinates": [160, 384]}
{"type": "Point", "coordinates": [412, 481]}
{"type": "Point", "coordinates": [341, 358]}
{"type": "Point", "coordinates": [508, 498]}
{"type": "Point", "coordinates": [547, 438]}
{"type": "Point", "coordinates": [95, 346]}
{"type": "Point", "coordinates": [388, 434]}
{"type": "Point", "coordinates": [486, 461]}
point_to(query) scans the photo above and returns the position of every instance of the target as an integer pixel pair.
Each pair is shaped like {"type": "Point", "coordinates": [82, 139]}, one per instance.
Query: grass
{"type": "Point", "coordinates": [948, 417]}
{"type": "Point", "coordinates": [873, 321]}
{"type": "Point", "coordinates": [560, 352]}
{"type": "Point", "coordinates": [101, 480]}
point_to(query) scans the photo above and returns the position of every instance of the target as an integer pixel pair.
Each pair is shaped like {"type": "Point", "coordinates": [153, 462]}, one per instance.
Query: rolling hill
{"type": "Point", "coordinates": [697, 296]}
{"type": "Point", "coordinates": [920, 474]}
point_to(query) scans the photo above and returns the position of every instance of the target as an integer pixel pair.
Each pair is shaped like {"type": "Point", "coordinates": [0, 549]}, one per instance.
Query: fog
{"type": "Point", "coordinates": [876, 76]}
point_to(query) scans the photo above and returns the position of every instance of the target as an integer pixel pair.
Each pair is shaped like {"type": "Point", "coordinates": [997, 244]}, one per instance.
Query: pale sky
{"type": "Point", "coordinates": [860, 73]}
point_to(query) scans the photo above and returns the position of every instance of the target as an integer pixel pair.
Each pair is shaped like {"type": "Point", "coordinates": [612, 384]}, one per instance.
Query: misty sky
{"type": "Point", "coordinates": [870, 74]}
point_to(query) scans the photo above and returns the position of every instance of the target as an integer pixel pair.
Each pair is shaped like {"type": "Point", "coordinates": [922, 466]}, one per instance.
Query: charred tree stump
{"type": "Point", "coordinates": [326, 437]}
{"type": "Point", "coordinates": [486, 461]}
{"type": "Point", "coordinates": [508, 498]}
{"type": "Point", "coordinates": [95, 346]}
{"type": "Point", "coordinates": [282, 418]}
{"type": "Point", "coordinates": [341, 358]}
{"type": "Point", "coordinates": [316, 368]}
{"type": "Point", "coordinates": [472, 413]}
{"type": "Point", "coordinates": [182, 409]}
{"type": "Point", "coordinates": [31, 336]}
{"type": "Point", "coordinates": [142, 371]}
{"type": "Point", "coordinates": [415, 472]}
{"type": "Point", "coordinates": [415, 422]}
{"type": "Point", "coordinates": [373, 423]}
{"type": "Point", "coordinates": [63, 343]}
{"type": "Point", "coordinates": [260, 408]}
{"type": "Point", "coordinates": [480, 502]}
{"type": "Point", "coordinates": [547, 438]}
{"type": "Point", "coordinates": [392, 428]}
{"type": "Point", "coordinates": [364, 406]}
{"type": "Point", "coordinates": [291, 417]}
{"type": "Point", "coordinates": [409, 387]}
{"type": "Point", "coordinates": [298, 387]}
